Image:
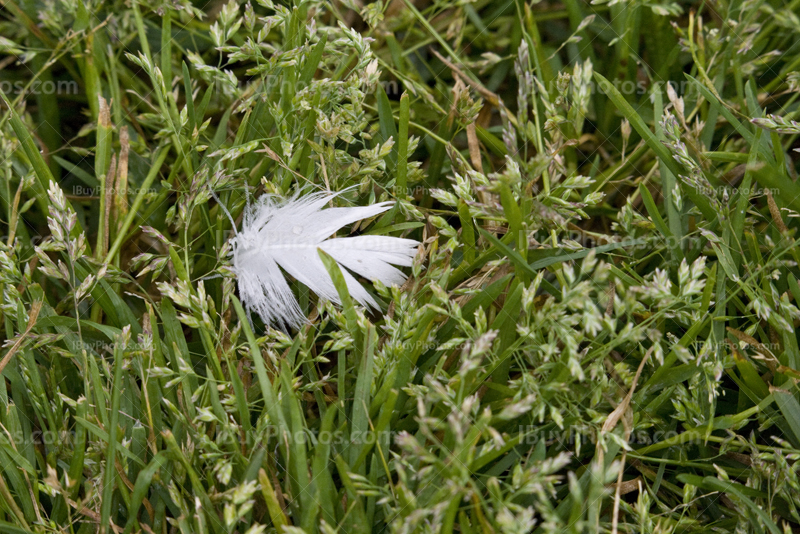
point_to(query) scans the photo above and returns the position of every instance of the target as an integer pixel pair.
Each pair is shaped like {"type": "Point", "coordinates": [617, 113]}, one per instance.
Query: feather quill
{"type": "Point", "coordinates": [285, 234]}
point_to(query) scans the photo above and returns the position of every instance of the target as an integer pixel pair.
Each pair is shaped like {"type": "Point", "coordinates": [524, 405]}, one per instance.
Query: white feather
{"type": "Point", "coordinates": [285, 234]}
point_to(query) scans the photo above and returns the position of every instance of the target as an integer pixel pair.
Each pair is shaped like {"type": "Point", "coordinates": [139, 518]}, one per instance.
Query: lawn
{"type": "Point", "coordinates": [596, 333]}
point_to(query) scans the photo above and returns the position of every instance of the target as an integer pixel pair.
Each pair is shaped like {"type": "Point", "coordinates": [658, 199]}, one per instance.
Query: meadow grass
{"type": "Point", "coordinates": [598, 331]}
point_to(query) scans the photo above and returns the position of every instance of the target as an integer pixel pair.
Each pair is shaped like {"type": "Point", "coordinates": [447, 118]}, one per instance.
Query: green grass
{"type": "Point", "coordinates": [597, 335]}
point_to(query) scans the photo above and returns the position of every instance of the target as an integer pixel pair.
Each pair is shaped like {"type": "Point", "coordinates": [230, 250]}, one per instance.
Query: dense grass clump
{"type": "Point", "coordinates": [598, 331]}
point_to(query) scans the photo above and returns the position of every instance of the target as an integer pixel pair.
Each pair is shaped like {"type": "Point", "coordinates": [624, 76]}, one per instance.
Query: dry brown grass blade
{"type": "Point", "coordinates": [615, 416]}
{"type": "Point", "coordinates": [776, 213]}
{"type": "Point", "coordinates": [125, 480]}
{"type": "Point", "coordinates": [12, 225]}
{"type": "Point", "coordinates": [611, 292]}
{"type": "Point", "coordinates": [110, 181]}
{"type": "Point", "coordinates": [753, 342]}
{"type": "Point", "coordinates": [611, 423]}
{"type": "Point", "coordinates": [36, 307]}
{"type": "Point", "coordinates": [474, 147]}
{"type": "Point", "coordinates": [121, 196]}
{"type": "Point", "coordinates": [91, 514]}
{"type": "Point", "coordinates": [491, 97]}
{"type": "Point", "coordinates": [628, 486]}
